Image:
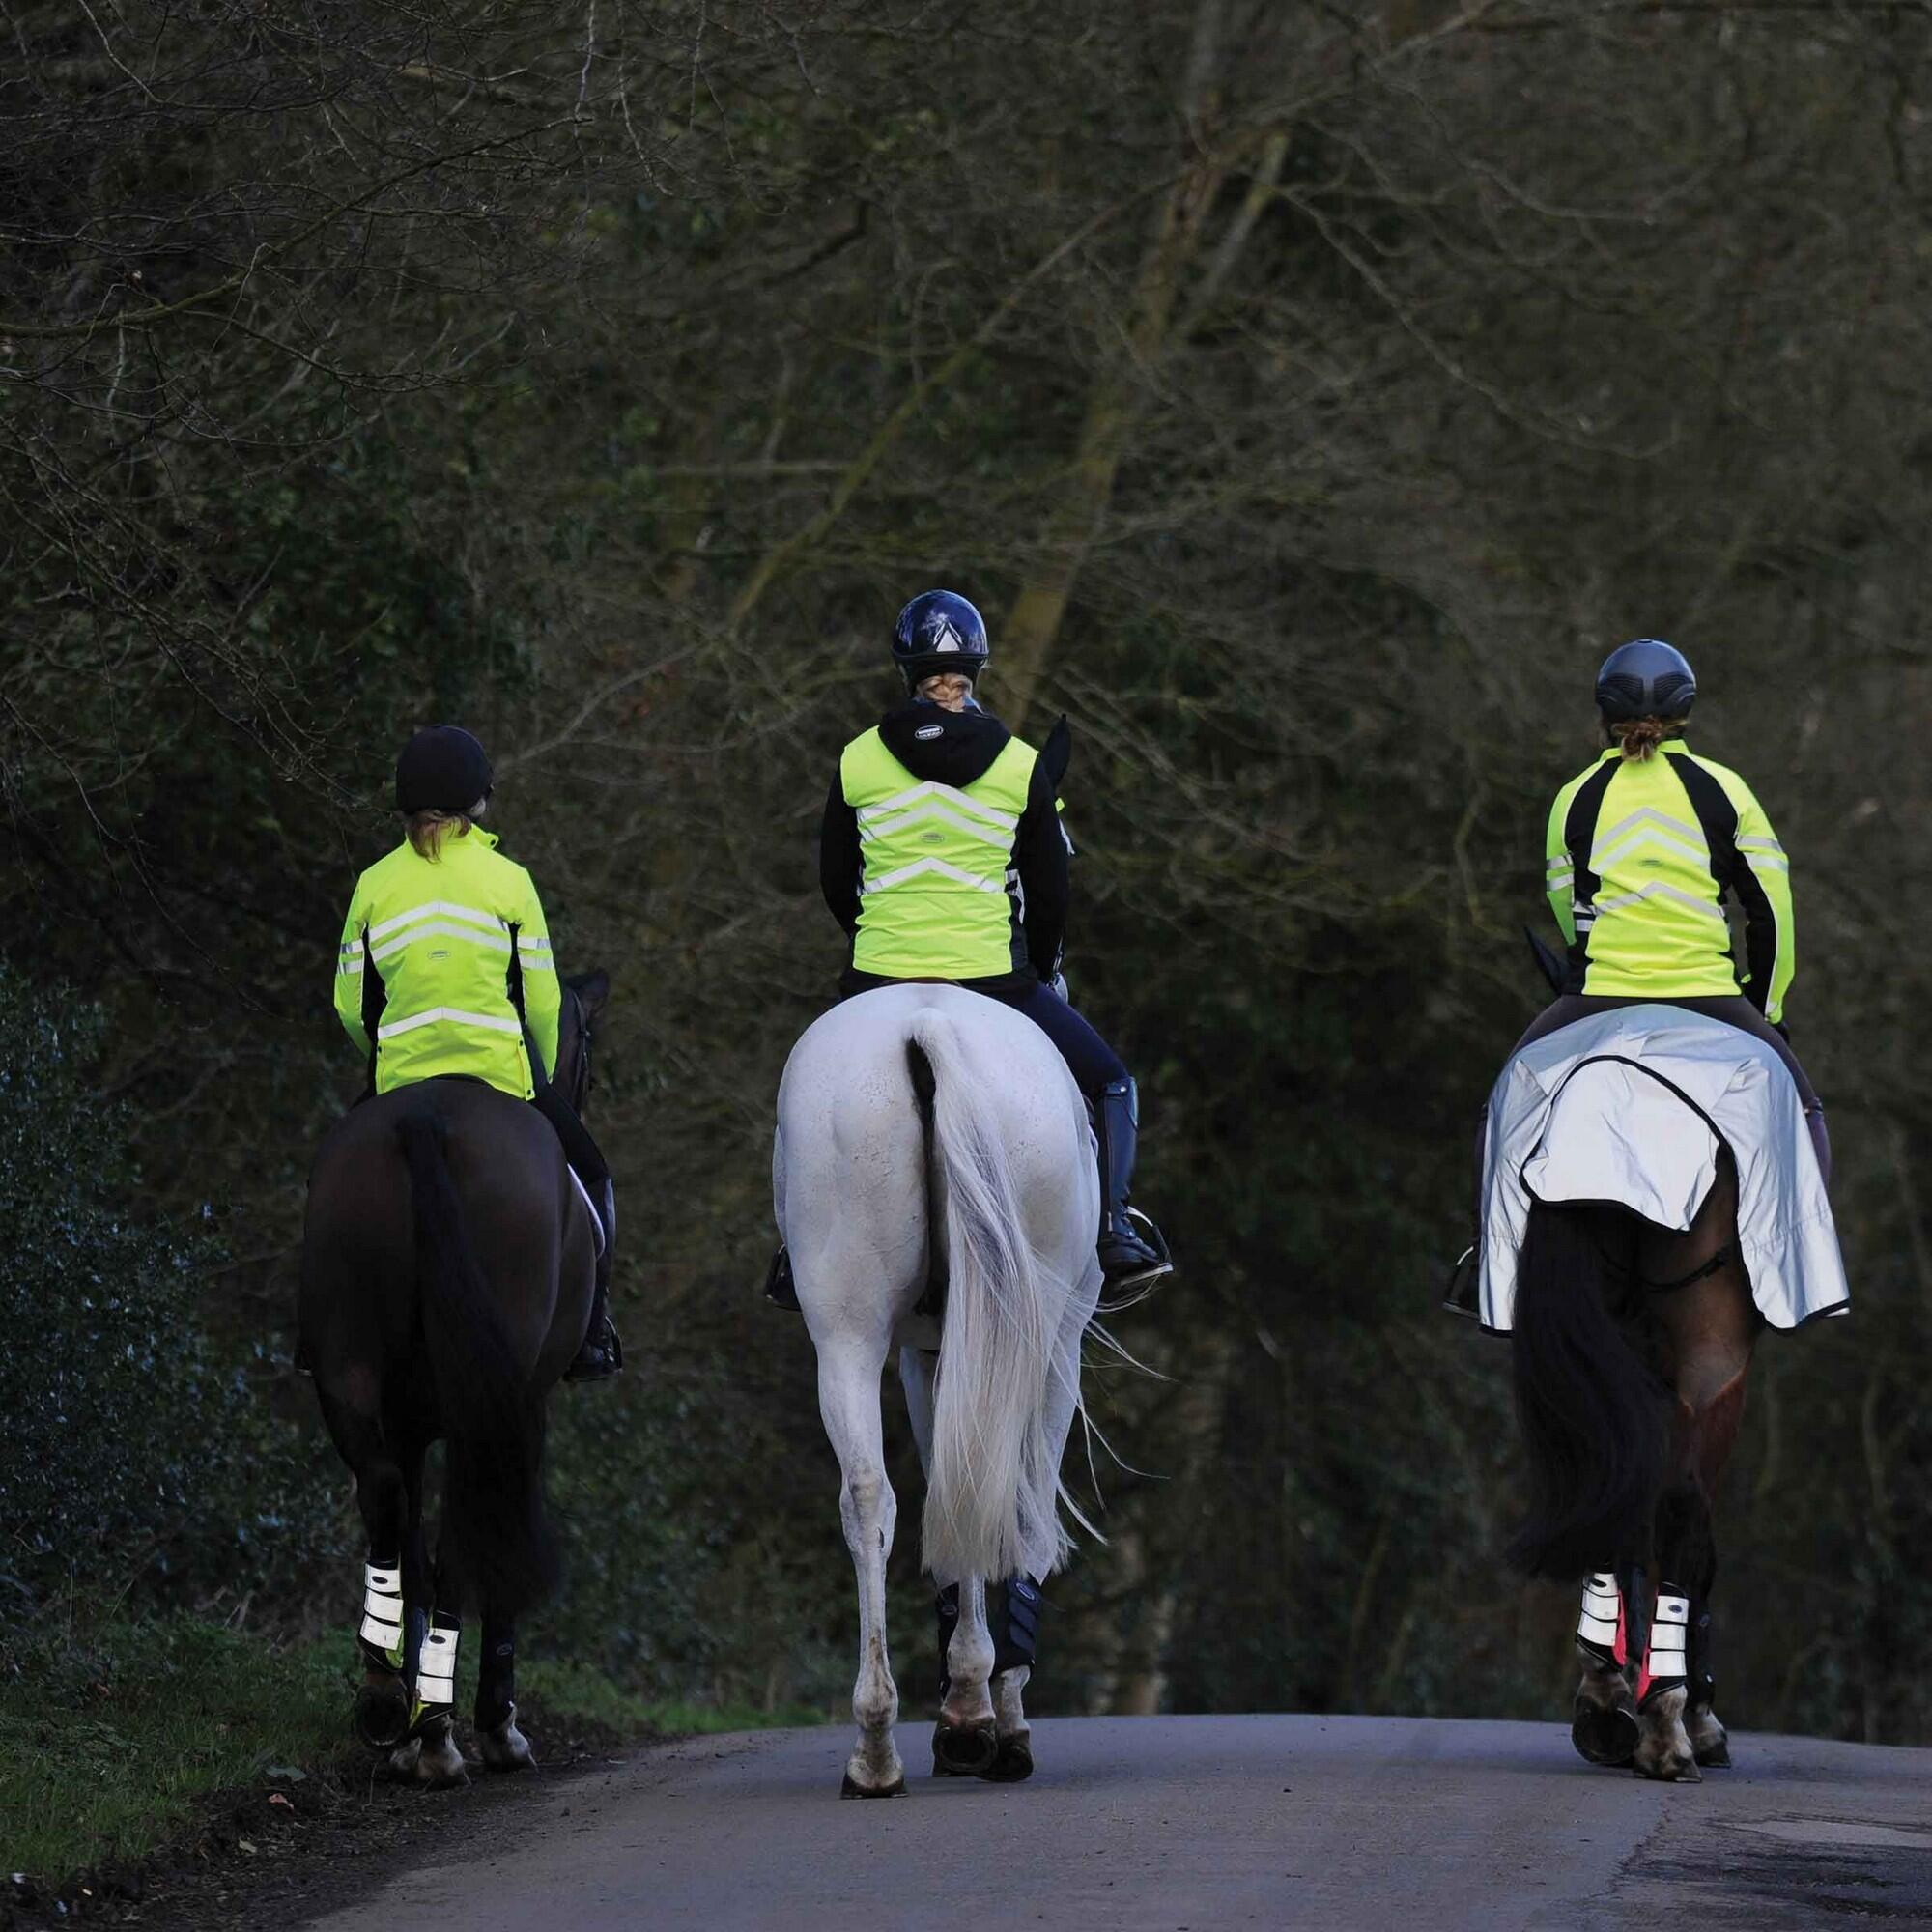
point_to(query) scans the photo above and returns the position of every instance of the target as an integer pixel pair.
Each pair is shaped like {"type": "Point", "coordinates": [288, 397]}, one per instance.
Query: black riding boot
{"type": "Point", "coordinates": [1132, 1253]}
{"type": "Point", "coordinates": [780, 1290]}
{"type": "Point", "coordinates": [601, 1353]}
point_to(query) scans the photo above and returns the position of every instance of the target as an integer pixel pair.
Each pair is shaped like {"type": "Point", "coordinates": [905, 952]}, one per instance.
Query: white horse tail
{"type": "Point", "coordinates": [994, 1484]}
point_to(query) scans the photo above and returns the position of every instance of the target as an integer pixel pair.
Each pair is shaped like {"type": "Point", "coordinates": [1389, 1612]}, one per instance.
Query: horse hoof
{"type": "Point", "coordinates": [1604, 1736]}
{"type": "Point", "coordinates": [850, 1787]}
{"type": "Point", "coordinates": [967, 1748]}
{"type": "Point", "coordinates": [383, 1715]}
{"type": "Point", "coordinates": [1013, 1763]}
{"type": "Point", "coordinates": [1716, 1756]}
{"type": "Point", "coordinates": [506, 1748]}
{"type": "Point", "coordinates": [1670, 1771]}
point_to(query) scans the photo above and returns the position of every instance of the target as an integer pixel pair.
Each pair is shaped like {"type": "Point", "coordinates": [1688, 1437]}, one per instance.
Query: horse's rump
{"type": "Point", "coordinates": [446, 1280]}
{"type": "Point", "coordinates": [995, 1169]}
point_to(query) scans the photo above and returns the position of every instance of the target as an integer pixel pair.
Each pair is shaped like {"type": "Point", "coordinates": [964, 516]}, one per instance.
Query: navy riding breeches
{"type": "Point", "coordinates": [1095, 1064]}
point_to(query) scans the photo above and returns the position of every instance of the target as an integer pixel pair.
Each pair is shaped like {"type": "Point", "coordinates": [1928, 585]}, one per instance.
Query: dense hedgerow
{"type": "Point", "coordinates": [132, 1455]}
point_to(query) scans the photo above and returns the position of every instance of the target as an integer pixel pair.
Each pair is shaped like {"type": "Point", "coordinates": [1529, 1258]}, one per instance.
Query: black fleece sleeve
{"type": "Point", "coordinates": [1040, 854]}
{"type": "Point", "coordinates": [840, 863]}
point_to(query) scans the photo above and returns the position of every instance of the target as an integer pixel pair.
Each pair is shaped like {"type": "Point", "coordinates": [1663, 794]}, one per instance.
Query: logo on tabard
{"type": "Point", "coordinates": [928, 733]}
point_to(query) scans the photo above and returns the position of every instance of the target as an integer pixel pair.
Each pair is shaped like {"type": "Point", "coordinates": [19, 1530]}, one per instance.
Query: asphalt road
{"type": "Point", "coordinates": [1184, 1824]}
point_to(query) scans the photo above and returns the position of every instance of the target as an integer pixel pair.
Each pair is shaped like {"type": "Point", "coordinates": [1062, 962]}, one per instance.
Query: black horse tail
{"type": "Point", "coordinates": [497, 1544]}
{"type": "Point", "coordinates": [1593, 1414]}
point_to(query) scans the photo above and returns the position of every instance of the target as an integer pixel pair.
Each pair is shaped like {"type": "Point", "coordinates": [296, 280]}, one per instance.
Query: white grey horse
{"type": "Point", "coordinates": [922, 1123]}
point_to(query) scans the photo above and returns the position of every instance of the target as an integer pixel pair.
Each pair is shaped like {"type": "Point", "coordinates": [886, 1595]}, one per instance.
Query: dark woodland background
{"type": "Point", "coordinates": [1308, 395]}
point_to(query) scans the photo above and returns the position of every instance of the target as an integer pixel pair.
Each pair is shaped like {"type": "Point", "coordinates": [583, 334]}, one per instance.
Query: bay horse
{"type": "Point", "coordinates": [1654, 1173]}
{"type": "Point", "coordinates": [448, 1259]}
{"type": "Point", "coordinates": [926, 1132]}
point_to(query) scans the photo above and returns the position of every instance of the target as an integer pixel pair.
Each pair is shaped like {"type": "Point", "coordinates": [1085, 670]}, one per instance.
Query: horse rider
{"type": "Point", "coordinates": [445, 971]}
{"type": "Point", "coordinates": [1643, 848]}
{"type": "Point", "coordinates": [943, 857]}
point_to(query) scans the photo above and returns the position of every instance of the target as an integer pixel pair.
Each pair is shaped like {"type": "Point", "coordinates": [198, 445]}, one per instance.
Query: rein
{"type": "Point", "coordinates": [581, 1082]}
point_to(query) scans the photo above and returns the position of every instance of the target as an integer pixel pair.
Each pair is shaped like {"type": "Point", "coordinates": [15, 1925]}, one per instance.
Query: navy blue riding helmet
{"type": "Point", "coordinates": [939, 631]}
{"type": "Point", "coordinates": [1646, 678]}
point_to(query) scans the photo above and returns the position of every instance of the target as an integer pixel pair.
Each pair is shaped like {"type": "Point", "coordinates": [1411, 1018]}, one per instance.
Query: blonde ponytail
{"type": "Point", "coordinates": [1638, 738]}
{"type": "Point", "coordinates": [427, 830]}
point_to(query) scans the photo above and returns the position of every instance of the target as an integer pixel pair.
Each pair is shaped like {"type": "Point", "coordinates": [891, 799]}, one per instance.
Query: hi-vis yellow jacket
{"type": "Point", "coordinates": [1642, 853]}
{"type": "Point", "coordinates": [436, 955]}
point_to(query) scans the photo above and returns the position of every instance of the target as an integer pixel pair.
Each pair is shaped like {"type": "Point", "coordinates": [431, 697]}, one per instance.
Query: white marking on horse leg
{"type": "Point", "coordinates": [1663, 1745]}
{"type": "Point", "coordinates": [506, 1748]}
{"type": "Point", "coordinates": [1009, 1707]}
{"type": "Point", "coordinates": [439, 1764]}
{"type": "Point", "coordinates": [848, 1400]}
{"type": "Point", "coordinates": [969, 1661]}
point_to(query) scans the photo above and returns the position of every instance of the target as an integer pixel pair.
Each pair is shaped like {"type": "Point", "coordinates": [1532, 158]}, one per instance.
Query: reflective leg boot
{"type": "Point", "coordinates": [602, 1354]}
{"type": "Point", "coordinates": [1132, 1253]}
{"type": "Point", "coordinates": [780, 1290]}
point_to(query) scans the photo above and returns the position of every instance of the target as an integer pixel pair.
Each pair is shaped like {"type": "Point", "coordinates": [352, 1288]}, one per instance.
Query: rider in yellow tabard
{"type": "Point", "coordinates": [445, 969]}
{"type": "Point", "coordinates": [1643, 848]}
{"type": "Point", "coordinates": [943, 857]}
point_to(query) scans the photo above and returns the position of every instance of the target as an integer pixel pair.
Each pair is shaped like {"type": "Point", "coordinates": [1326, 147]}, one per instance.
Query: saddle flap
{"type": "Point", "coordinates": [1616, 1133]}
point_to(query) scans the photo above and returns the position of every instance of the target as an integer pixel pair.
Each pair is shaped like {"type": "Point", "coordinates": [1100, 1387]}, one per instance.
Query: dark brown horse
{"type": "Point", "coordinates": [447, 1263]}
{"type": "Point", "coordinates": [1631, 1344]}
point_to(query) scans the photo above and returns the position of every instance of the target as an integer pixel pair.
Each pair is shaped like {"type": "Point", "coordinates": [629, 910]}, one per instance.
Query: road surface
{"type": "Point", "coordinates": [1185, 1824]}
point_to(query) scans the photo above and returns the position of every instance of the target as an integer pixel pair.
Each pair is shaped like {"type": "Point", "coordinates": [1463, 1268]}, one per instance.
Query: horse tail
{"type": "Point", "coordinates": [496, 1534]}
{"type": "Point", "coordinates": [992, 1492]}
{"type": "Point", "coordinates": [1593, 1414]}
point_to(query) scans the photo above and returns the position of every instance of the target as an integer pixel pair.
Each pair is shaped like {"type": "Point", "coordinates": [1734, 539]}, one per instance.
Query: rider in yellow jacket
{"type": "Point", "coordinates": [1645, 848]}
{"type": "Point", "coordinates": [444, 970]}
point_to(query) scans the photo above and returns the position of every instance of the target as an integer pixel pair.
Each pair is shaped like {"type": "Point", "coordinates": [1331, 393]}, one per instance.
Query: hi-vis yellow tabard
{"type": "Point", "coordinates": [440, 936]}
{"type": "Point", "coordinates": [1642, 853]}
{"type": "Point", "coordinates": [935, 901]}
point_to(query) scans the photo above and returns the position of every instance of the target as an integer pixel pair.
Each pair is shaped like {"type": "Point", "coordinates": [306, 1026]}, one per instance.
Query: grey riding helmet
{"type": "Point", "coordinates": [1646, 678]}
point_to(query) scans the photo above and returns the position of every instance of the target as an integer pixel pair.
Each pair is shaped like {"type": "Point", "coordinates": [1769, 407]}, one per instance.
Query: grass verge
{"type": "Point", "coordinates": [114, 1737]}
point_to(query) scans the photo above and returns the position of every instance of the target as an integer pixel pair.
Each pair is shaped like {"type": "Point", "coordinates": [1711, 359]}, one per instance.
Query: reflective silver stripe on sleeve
{"type": "Point", "coordinates": [453, 1013]}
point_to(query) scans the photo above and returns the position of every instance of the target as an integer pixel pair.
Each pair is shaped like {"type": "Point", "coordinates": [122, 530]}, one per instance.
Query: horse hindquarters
{"type": "Point", "coordinates": [1593, 1416]}
{"type": "Point", "coordinates": [496, 1537]}
{"type": "Point", "coordinates": [993, 1490]}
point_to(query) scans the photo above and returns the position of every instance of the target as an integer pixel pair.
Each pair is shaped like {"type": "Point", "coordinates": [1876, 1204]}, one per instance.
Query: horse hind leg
{"type": "Point", "coordinates": [966, 1739]}
{"type": "Point", "coordinates": [1603, 1721]}
{"type": "Point", "coordinates": [848, 1400]}
{"type": "Point", "coordinates": [1665, 1749]}
{"type": "Point", "coordinates": [503, 1745]}
{"type": "Point", "coordinates": [350, 1409]}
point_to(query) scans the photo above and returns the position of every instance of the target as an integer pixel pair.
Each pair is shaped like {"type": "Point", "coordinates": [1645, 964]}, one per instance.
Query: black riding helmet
{"type": "Point", "coordinates": [1646, 678]}
{"type": "Point", "coordinates": [443, 768]}
{"type": "Point", "coordinates": [939, 631]}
